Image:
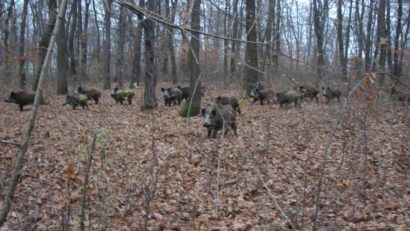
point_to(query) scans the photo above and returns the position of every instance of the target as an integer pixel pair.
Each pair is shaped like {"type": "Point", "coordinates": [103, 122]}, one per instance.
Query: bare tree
{"type": "Point", "coordinates": [120, 47]}
{"type": "Point", "coordinates": [320, 13]}
{"type": "Point", "coordinates": [136, 60]}
{"type": "Point", "coordinates": [22, 41]}
{"type": "Point", "coordinates": [62, 61]}
{"type": "Point", "coordinates": [150, 100]}
{"type": "Point", "coordinates": [381, 39]}
{"type": "Point", "coordinates": [251, 52]}
{"type": "Point", "coordinates": [193, 58]}
{"type": "Point", "coordinates": [234, 44]}
{"type": "Point", "coordinates": [107, 43]}
{"type": "Point", "coordinates": [73, 29]}
{"type": "Point", "coordinates": [45, 39]}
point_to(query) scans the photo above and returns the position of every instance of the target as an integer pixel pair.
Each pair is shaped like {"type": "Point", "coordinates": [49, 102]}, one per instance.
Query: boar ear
{"type": "Point", "coordinates": [203, 110]}
{"type": "Point", "coordinates": [162, 89]}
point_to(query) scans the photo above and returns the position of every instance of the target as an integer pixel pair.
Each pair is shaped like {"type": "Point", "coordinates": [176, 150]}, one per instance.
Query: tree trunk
{"type": "Point", "coordinates": [226, 44]}
{"type": "Point", "coordinates": [73, 29]}
{"type": "Point", "coordinates": [381, 40]}
{"type": "Point", "coordinates": [62, 61]}
{"type": "Point", "coordinates": [320, 12]}
{"type": "Point", "coordinates": [277, 37]}
{"type": "Point", "coordinates": [150, 100]}
{"type": "Point", "coordinates": [267, 63]}
{"type": "Point", "coordinates": [396, 66]}
{"type": "Point", "coordinates": [22, 62]}
{"type": "Point", "coordinates": [98, 47]}
{"type": "Point", "coordinates": [136, 60]}
{"type": "Point", "coordinates": [120, 47]}
{"type": "Point", "coordinates": [45, 40]}
{"type": "Point", "coordinates": [193, 59]}
{"type": "Point", "coordinates": [84, 42]}
{"type": "Point", "coordinates": [251, 52]}
{"type": "Point", "coordinates": [234, 45]}
{"type": "Point", "coordinates": [107, 44]}
{"type": "Point", "coordinates": [340, 41]}
{"type": "Point", "coordinates": [368, 41]}
{"type": "Point", "coordinates": [171, 45]}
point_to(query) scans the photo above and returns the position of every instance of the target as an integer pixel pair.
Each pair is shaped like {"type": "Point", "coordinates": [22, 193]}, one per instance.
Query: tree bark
{"type": "Point", "coordinates": [22, 62]}
{"type": "Point", "coordinates": [45, 40]}
{"type": "Point", "coordinates": [107, 44]}
{"type": "Point", "coordinates": [320, 12]}
{"type": "Point", "coordinates": [120, 47]}
{"type": "Point", "coordinates": [381, 40]}
{"type": "Point", "coordinates": [150, 100]}
{"type": "Point", "coordinates": [234, 43]}
{"type": "Point", "coordinates": [396, 65]}
{"type": "Point", "coordinates": [62, 61]}
{"type": "Point", "coordinates": [136, 60]}
{"type": "Point", "coordinates": [251, 52]}
{"type": "Point", "coordinates": [193, 59]}
{"type": "Point", "coordinates": [11, 188]}
{"type": "Point", "coordinates": [71, 36]}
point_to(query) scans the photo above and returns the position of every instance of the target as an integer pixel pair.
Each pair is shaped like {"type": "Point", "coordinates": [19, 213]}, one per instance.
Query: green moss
{"type": "Point", "coordinates": [193, 111]}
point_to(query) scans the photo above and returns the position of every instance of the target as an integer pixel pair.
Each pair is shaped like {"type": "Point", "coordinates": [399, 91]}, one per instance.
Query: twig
{"type": "Point", "coordinates": [86, 177]}
{"type": "Point", "coordinates": [10, 142]}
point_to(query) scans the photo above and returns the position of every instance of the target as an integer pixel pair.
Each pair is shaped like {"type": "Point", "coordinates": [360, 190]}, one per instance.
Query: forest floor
{"type": "Point", "coordinates": [266, 178]}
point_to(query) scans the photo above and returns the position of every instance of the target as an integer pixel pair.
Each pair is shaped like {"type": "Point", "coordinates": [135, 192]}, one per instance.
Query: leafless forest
{"type": "Point", "coordinates": [114, 113]}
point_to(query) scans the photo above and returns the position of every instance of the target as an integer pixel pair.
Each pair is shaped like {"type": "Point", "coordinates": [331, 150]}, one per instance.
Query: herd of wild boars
{"type": "Point", "coordinates": [223, 111]}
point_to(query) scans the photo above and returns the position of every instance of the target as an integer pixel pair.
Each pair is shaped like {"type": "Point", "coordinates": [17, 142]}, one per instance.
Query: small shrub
{"type": "Point", "coordinates": [193, 111]}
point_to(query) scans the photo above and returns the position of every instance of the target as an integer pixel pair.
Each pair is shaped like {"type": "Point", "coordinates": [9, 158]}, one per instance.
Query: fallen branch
{"type": "Point", "coordinates": [10, 142]}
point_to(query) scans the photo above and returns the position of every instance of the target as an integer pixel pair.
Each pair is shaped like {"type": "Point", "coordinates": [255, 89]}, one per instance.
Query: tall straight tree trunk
{"type": "Point", "coordinates": [277, 37]}
{"type": "Point", "coordinates": [251, 52]}
{"type": "Point", "coordinates": [171, 44]}
{"type": "Point", "coordinates": [234, 45]}
{"type": "Point", "coordinates": [381, 40]}
{"type": "Point", "coordinates": [45, 39]}
{"type": "Point", "coordinates": [71, 37]}
{"type": "Point", "coordinates": [22, 72]}
{"type": "Point", "coordinates": [7, 36]}
{"type": "Point", "coordinates": [340, 41]}
{"type": "Point", "coordinates": [150, 100]}
{"type": "Point", "coordinates": [107, 44]}
{"type": "Point", "coordinates": [136, 60]}
{"type": "Point", "coordinates": [84, 42]}
{"type": "Point", "coordinates": [388, 33]}
{"type": "Point", "coordinates": [62, 61]}
{"type": "Point", "coordinates": [120, 47]}
{"type": "Point", "coordinates": [368, 41]}
{"type": "Point", "coordinates": [320, 10]}
{"type": "Point", "coordinates": [268, 37]}
{"type": "Point", "coordinates": [97, 28]}
{"type": "Point", "coordinates": [359, 13]}
{"type": "Point", "coordinates": [193, 58]}
{"type": "Point", "coordinates": [396, 66]}
{"type": "Point", "coordinates": [226, 43]}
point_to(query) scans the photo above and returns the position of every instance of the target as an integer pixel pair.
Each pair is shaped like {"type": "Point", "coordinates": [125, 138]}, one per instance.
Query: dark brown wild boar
{"type": "Point", "coordinates": [217, 117]}
{"type": "Point", "coordinates": [229, 100]}
{"type": "Point", "coordinates": [76, 100]}
{"type": "Point", "coordinates": [92, 94]}
{"type": "Point", "coordinates": [121, 95]}
{"type": "Point", "coordinates": [21, 98]}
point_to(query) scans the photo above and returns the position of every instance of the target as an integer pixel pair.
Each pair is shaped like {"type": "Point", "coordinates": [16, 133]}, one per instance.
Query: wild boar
{"type": "Point", "coordinates": [21, 98]}
{"type": "Point", "coordinates": [229, 100]}
{"type": "Point", "coordinates": [308, 92]}
{"type": "Point", "coordinates": [331, 94]}
{"type": "Point", "coordinates": [217, 117]}
{"type": "Point", "coordinates": [120, 95]}
{"type": "Point", "coordinates": [171, 95]}
{"type": "Point", "coordinates": [76, 100]}
{"type": "Point", "coordinates": [92, 94]}
{"type": "Point", "coordinates": [287, 97]}
{"type": "Point", "coordinates": [261, 93]}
